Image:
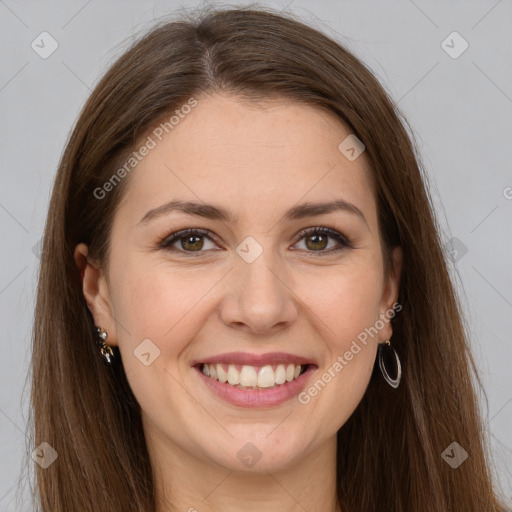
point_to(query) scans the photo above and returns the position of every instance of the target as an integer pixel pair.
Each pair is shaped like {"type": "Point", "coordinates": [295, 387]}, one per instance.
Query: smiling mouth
{"type": "Point", "coordinates": [253, 377]}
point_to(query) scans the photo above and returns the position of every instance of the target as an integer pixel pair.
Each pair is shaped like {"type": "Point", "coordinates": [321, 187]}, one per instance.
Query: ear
{"type": "Point", "coordinates": [390, 295]}
{"type": "Point", "coordinates": [96, 293]}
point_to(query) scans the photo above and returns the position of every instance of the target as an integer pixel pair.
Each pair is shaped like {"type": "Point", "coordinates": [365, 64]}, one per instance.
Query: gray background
{"type": "Point", "coordinates": [460, 110]}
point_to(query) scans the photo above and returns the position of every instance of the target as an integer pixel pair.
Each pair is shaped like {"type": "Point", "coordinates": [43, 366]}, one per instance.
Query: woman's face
{"type": "Point", "coordinates": [254, 285]}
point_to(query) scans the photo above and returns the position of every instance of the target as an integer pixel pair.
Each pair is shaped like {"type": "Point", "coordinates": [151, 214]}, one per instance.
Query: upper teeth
{"type": "Point", "coordinates": [252, 376]}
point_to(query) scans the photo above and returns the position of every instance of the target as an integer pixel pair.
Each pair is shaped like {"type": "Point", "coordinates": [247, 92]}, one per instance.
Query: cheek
{"type": "Point", "coordinates": [154, 302]}
{"type": "Point", "coordinates": [345, 309]}
{"type": "Point", "coordinates": [345, 303]}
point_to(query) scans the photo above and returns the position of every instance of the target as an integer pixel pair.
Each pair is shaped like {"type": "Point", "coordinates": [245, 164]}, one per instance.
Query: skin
{"type": "Point", "coordinates": [256, 161]}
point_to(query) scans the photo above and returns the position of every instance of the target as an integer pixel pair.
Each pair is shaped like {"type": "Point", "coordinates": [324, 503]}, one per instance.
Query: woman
{"type": "Point", "coordinates": [243, 301]}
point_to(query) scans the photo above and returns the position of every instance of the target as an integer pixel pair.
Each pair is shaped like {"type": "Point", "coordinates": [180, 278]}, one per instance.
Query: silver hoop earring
{"type": "Point", "coordinates": [387, 352]}
{"type": "Point", "coordinates": [105, 348]}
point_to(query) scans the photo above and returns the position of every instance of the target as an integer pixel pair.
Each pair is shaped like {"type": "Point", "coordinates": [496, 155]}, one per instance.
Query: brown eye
{"type": "Point", "coordinates": [192, 242]}
{"type": "Point", "coordinates": [187, 241]}
{"type": "Point", "coordinates": [317, 240]}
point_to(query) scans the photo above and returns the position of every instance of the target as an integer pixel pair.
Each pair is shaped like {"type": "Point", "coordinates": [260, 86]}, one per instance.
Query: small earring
{"type": "Point", "coordinates": [385, 352]}
{"type": "Point", "coordinates": [105, 349]}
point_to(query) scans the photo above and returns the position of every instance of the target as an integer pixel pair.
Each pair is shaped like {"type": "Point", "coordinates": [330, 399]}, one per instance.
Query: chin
{"type": "Point", "coordinates": [267, 452]}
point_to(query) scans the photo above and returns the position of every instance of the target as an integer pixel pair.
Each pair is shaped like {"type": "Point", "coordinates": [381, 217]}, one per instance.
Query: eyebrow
{"type": "Point", "coordinates": [213, 212]}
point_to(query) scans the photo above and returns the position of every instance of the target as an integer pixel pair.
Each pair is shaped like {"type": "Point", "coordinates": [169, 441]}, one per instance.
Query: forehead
{"type": "Point", "coordinates": [247, 157]}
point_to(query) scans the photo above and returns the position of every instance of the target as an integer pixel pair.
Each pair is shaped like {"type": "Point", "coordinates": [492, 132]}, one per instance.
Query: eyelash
{"type": "Point", "coordinates": [168, 240]}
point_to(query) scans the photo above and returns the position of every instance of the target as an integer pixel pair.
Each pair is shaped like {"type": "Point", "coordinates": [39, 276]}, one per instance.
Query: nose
{"type": "Point", "coordinates": [260, 298]}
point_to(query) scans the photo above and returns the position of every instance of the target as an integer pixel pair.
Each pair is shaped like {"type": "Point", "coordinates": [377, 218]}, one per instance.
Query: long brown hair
{"type": "Point", "coordinates": [389, 451]}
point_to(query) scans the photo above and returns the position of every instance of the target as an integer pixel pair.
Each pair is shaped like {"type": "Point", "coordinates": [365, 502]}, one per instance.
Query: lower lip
{"type": "Point", "coordinates": [257, 397]}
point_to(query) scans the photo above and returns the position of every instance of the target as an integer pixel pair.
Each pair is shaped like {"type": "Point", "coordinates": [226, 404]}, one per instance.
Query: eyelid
{"type": "Point", "coordinates": [169, 239]}
{"type": "Point", "coordinates": [333, 233]}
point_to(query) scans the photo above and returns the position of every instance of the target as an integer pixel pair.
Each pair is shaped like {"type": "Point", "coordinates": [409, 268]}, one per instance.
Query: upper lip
{"type": "Point", "coordinates": [245, 358]}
